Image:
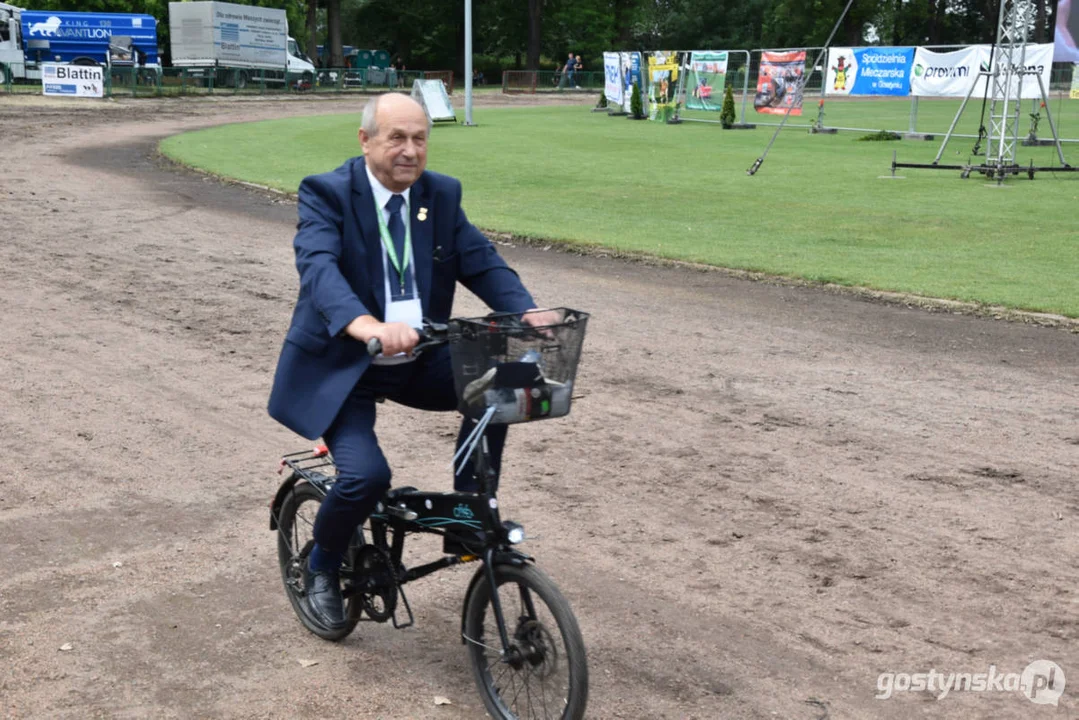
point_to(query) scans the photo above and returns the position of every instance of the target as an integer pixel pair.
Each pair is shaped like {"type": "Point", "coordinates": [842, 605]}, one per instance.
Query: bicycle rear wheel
{"type": "Point", "coordinates": [295, 524]}
{"type": "Point", "coordinates": [544, 673]}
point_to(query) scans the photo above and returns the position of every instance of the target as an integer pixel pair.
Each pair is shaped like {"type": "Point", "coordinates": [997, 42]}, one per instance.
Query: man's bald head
{"type": "Point", "coordinates": [393, 135]}
{"type": "Point", "coordinates": [392, 102]}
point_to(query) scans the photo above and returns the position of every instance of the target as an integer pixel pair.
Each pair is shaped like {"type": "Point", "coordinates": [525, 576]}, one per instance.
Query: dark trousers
{"type": "Point", "coordinates": [363, 475]}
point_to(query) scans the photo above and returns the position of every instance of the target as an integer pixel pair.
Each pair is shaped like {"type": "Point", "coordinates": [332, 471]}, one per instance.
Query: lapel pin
{"type": "Point", "coordinates": [422, 214]}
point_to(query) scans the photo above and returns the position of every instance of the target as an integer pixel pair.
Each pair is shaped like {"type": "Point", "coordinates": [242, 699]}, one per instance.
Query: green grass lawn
{"type": "Point", "coordinates": [815, 210]}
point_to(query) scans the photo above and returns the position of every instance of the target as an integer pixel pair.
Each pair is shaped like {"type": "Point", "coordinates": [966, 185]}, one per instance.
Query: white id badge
{"type": "Point", "coordinates": [406, 311]}
{"type": "Point", "coordinates": [401, 308]}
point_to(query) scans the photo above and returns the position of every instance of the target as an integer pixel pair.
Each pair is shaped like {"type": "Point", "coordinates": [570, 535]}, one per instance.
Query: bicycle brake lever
{"type": "Point", "coordinates": [432, 335]}
{"type": "Point", "coordinates": [420, 347]}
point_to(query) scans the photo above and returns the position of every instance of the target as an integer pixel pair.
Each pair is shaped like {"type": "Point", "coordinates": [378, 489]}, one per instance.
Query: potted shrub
{"type": "Point", "coordinates": [636, 111]}
{"type": "Point", "coordinates": [726, 113]}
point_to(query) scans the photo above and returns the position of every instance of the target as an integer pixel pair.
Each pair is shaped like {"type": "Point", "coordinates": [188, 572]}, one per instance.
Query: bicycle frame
{"type": "Point", "coordinates": [467, 521]}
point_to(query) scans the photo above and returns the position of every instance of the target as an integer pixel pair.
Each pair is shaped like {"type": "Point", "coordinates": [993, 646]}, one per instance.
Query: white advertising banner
{"type": "Point", "coordinates": [947, 74]}
{"type": "Point", "coordinates": [250, 34]}
{"type": "Point", "coordinates": [1038, 58]}
{"type": "Point", "coordinates": [72, 80]}
{"type": "Point", "coordinates": [247, 36]}
{"type": "Point", "coordinates": [952, 74]}
{"type": "Point", "coordinates": [612, 73]}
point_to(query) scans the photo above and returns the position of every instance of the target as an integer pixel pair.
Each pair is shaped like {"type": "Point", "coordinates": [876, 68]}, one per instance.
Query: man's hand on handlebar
{"type": "Point", "coordinates": [538, 318]}
{"type": "Point", "coordinates": [396, 337]}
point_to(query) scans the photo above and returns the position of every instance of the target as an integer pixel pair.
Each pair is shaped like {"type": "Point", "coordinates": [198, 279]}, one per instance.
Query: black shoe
{"type": "Point", "coordinates": [324, 600]}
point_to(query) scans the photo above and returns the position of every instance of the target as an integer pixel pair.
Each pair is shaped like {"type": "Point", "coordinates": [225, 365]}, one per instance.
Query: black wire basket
{"type": "Point", "coordinates": [525, 373]}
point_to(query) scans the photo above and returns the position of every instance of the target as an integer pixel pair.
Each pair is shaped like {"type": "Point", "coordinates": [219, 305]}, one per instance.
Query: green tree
{"type": "Point", "coordinates": [425, 33]}
{"type": "Point", "coordinates": [583, 27]}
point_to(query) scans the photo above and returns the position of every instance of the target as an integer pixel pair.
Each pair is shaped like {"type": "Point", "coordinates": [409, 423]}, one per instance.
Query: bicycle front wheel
{"type": "Point", "coordinates": [543, 673]}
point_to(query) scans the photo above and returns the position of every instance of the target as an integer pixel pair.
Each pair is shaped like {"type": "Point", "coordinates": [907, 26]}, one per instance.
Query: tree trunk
{"type": "Point", "coordinates": [535, 16]}
{"type": "Point", "coordinates": [312, 32]}
{"type": "Point", "coordinates": [852, 30]}
{"type": "Point", "coordinates": [623, 29]}
{"type": "Point", "coordinates": [1040, 21]}
{"type": "Point", "coordinates": [459, 31]}
{"type": "Point", "coordinates": [897, 19]}
{"type": "Point", "coordinates": [936, 9]}
{"type": "Point", "coordinates": [333, 29]}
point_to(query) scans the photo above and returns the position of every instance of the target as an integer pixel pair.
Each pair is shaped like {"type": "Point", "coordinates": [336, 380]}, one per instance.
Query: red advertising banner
{"type": "Point", "coordinates": [779, 83]}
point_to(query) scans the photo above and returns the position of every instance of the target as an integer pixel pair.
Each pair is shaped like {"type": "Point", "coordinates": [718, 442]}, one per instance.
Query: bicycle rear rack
{"type": "Point", "coordinates": [306, 464]}
{"type": "Point", "coordinates": [309, 465]}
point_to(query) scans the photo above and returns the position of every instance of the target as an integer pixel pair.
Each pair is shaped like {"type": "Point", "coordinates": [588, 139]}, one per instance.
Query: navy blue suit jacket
{"type": "Point", "coordinates": [339, 257]}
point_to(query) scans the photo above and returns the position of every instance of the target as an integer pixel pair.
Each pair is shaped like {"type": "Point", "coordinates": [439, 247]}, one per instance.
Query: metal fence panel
{"type": "Point", "coordinates": [179, 82]}
{"type": "Point", "coordinates": [901, 115]}
{"type": "Point", "coordinates": [546, 81]}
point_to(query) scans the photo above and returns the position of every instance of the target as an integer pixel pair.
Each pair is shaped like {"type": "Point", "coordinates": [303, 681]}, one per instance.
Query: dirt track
{"type": "Point", "coordinates": [754, 515]}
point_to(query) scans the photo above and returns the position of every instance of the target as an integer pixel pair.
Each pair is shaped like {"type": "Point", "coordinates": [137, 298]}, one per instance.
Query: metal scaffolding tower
{"type": "Point", "coordinates": [1004, 77]}
{"type": "Point", "coordinates": [1013, 32]}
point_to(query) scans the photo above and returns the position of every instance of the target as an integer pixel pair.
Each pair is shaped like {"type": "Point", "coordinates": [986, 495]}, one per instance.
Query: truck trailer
{"type": "Point", "coordinates": [30, 38]}
{"type": "Point", "coordinates": [236, 44]}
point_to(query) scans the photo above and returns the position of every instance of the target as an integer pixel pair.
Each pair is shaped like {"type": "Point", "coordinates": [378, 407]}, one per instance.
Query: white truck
{"type": "Point", "coordinates": [236, 45]}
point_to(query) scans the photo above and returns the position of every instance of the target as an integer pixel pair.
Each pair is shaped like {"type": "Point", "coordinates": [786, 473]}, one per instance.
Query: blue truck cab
{"type": "Point", "coordinates": [29, 38]}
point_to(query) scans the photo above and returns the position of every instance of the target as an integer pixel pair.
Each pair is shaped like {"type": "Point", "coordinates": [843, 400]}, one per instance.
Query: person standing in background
{"type": "Point", "coordinates": [568, 75]}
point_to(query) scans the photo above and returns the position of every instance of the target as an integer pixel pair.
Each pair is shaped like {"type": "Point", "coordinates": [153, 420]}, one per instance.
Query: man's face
{"type": "Point", "coordinates": [397, 154]}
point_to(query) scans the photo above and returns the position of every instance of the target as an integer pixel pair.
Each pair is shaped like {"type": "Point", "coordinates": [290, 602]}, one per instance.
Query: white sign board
{"type": "Point", "coordinates": [432, 95]}
{"type": "Point", "coordinates": [72, 80]}
{"type": "Point", "coordinates": [953, 74]}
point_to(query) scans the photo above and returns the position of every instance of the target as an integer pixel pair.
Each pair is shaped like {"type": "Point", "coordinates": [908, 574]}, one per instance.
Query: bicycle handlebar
{"type": "Point", "coordinates": [432, 335]}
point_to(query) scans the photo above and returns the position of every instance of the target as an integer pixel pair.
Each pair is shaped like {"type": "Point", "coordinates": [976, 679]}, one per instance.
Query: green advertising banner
{"type": "Point", "coordinates": [707, 75]}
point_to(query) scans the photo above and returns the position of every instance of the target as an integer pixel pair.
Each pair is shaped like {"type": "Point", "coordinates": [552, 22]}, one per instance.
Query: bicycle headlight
{"type": "Point", "coordinates": [515, 532]}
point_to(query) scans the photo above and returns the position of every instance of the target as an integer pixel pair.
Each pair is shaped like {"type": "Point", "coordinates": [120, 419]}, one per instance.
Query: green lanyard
{"type": "Point", "coordinates": [399, 264]}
